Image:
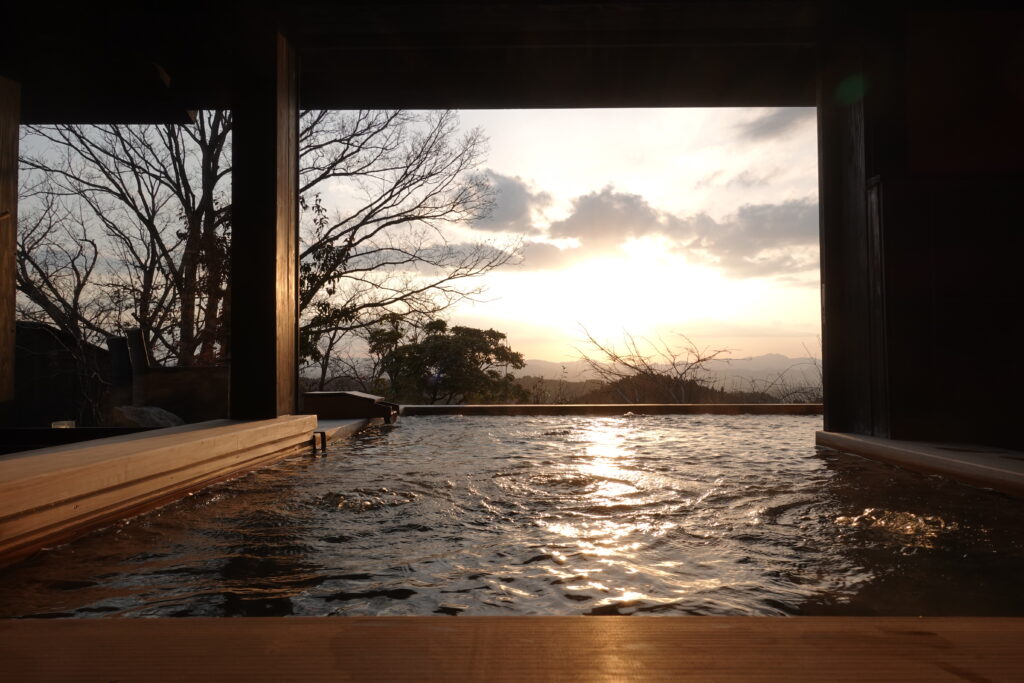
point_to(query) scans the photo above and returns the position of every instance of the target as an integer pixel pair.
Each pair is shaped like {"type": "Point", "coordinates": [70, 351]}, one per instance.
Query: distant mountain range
{"type": "Point", "coordinates": [740, 374]}
{"type": "Point", "coordinates": [732, 375]}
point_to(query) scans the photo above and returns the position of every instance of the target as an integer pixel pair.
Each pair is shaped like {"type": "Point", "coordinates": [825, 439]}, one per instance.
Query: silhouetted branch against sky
{"type": "Point", "coordinates": [153, 204]}
{"type": "Point", "coordinates": [677, 367]}
{"type": "Point", "coordinates": [380, 192]}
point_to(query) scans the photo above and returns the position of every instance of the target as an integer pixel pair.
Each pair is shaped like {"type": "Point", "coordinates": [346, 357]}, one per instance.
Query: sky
{"type": "Point", "coordinates": [652, 222]}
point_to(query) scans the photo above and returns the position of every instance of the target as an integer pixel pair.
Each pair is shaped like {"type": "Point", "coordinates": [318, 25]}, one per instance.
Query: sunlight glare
{"type": "Point", "coordinates": [643, 288]}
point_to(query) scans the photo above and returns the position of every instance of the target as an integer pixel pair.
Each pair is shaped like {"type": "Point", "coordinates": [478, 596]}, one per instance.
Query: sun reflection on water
{"type": "Point", "coordinates": [920, 531]}
{"type": "Point", "coordinates": [600, 533]}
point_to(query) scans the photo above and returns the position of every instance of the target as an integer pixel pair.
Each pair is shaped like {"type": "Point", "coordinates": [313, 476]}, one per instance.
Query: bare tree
{"type": "Point", "coordinates": [339, 367]}
{"type": "Point", "coordinates": [379, 247]}
{"type": "Point", "coordinates": [153, 202]}
{"type": "Point", "coordinates": [642, 371]}
{"type": "Point", "coordinates": [799, 383]}
{"type": "Point", "coordinates": [363, 364]}
{"type": "Point", "coordinates": [55, 265]}
{"type": "Point", "coordinates": [347, 371]}
{"type": "Point", "coordinates": [132, 227]}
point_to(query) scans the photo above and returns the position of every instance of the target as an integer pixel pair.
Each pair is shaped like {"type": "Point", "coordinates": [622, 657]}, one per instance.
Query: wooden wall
{"type": "Point", "coordinates": [922, 225]}
{"type": "Point", "coordinates": [954, 234]}
{"type": "Point", "coordinates": [10, 108]}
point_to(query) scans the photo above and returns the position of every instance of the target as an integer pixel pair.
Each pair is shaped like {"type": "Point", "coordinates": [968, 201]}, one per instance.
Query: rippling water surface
{"type": "Point", "coordinates": [666, 515]}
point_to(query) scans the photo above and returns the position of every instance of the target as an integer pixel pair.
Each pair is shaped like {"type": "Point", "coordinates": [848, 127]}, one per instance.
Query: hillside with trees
{"type": "Point", "coordinates": [435, 363]}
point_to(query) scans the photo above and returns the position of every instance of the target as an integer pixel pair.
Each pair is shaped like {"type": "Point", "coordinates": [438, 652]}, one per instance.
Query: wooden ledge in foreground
{"type": "Point", "coordinates": [514, 649]}
{"type": "Point", "coordinates": [994, 468]}
{"type": "Point", "coordinates": [618, 409]}
{"type": "Point", "coordinates": [50, 495]}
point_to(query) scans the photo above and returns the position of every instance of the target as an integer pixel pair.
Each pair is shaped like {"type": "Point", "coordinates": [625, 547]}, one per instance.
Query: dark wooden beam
{"type": "Point", "coordinates": [429, 24]}
{"type": "Point", "coordinates": [89, 64]}
{"type": "Point", "coordinates": [10, 108]}
{"type": "Point", "coordinates": [569, 75]}
{"type": "Point", "coordinates": [523, 55]}
{"type": "Point", "coordinates": [92, 66]}
{"type": "Point", "coordinates": [264, 246]}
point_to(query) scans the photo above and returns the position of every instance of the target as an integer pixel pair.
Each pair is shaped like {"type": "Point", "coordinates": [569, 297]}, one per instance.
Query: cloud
{"type": "Point", "coordinates": [604, 219]}
{"type": "Point", "coordinates": [544, 256]}
{"type": "Point", "coordinates": [744, 179]}
{"type": "Point", "coordinates": [750, 178]}
{"type": "Point", "coordinates": [759, 240]}
{"type": "Point", "coordinates": [776, 123]}
{"type": "Point", "coordinates": [514, 205]}
{"type": "Point", "coordinates": [710, 180]}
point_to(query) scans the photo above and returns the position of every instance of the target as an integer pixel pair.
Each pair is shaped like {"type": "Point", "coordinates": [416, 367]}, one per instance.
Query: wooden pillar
{"type": "Point", "coordinates": [264, 241]}
{"type": "Point", "coordinates": [10, 110]}
{"type": "Point", "coordinates": [847, 264]}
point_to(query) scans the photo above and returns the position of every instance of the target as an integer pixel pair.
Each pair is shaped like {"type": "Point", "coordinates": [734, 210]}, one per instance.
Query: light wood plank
{"type": "Point", "coordinates": [51, 495]}
{"type": "Point", "coordinates": [338, 430]}
{"type": "Point", "coordinates": [515, 649]}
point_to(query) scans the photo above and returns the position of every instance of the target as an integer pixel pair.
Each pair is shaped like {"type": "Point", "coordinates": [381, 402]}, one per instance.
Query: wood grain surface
{"type": "Point", "coordinates": [264, 236]}
{"type": "Point", "coordinates": [50, 495]}
{"type": "Point", "coordinates": [514, 649]}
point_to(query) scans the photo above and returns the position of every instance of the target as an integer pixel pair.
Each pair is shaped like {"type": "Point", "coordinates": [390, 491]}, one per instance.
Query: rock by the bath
{"type": "Point", "coordinates": [143, 416]}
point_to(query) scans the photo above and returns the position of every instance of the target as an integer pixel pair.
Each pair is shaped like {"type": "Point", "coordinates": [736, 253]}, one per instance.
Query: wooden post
{"type": "Point", "coordinates": [846, 315]}
{"type": "Point", "coordinates": [264, 244]}
{"type": "Point", "coordinates": [10, 110]}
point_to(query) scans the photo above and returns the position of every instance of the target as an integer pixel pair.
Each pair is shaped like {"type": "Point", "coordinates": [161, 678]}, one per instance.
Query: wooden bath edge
{"type": "Point", "coordinates": [993, 468]}
{"type": "Point", "coordinates": [514, 649]}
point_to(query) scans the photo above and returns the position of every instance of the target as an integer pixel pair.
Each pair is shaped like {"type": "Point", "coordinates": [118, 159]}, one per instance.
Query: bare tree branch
{"type": "Point", "coordinates": [643, 371]}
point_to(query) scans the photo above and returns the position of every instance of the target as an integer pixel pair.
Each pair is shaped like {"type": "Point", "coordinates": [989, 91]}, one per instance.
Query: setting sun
{"type": "Point", "coordinates": [702, 226]}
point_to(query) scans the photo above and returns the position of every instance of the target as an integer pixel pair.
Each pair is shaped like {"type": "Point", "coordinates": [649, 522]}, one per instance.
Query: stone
{"type": "Point", "coordinates": [143, 416]}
